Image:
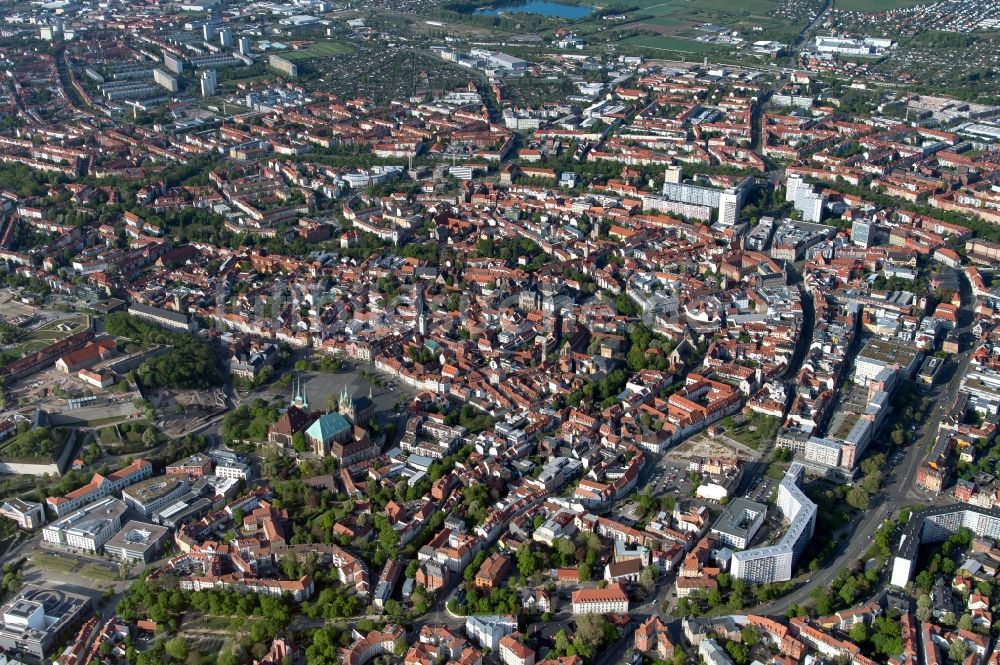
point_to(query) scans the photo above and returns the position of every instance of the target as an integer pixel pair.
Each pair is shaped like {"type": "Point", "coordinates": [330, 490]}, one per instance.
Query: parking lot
{"type": "Point", "coordinates": [763, 491]}
{"type": "Point", "coordinates": [671, 477]}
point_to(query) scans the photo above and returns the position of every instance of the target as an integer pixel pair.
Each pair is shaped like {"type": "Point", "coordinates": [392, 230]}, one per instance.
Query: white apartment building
{"type": "Point", "coordinates": [764, 565]}
{"type": "Point", "coordinates": [487, 631]}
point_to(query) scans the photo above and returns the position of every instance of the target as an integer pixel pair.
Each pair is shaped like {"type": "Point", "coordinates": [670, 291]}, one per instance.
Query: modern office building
{"type": "Point", "coordinates": [137, 542]}
{"type": "Point", "coordinates": [867, 233]}
{"type": "Point", "coordinates": [150, 495]}
{"type": "Point", "coordinates": [88, 528]}
{"type": "Point", "coordinates": [233, 469]}
{"type": "Point", "coordinates": [35, 617]}
{"type": "Point", "coordinates": [775, 563]}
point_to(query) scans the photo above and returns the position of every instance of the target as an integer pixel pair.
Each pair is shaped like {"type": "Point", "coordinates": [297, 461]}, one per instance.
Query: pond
{"type": "Point", "coordinates": [542, 7]}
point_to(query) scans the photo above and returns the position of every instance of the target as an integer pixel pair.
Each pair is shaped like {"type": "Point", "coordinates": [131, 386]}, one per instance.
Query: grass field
{"type": "Point", "coordinates": [673, 44]}
{"type": "Point", "coordinates": [317, 50]}
{"type": "Point", "coordinates": [767, 19]}
{"type": "Point", "coordinates": [51, 562]}
{"type": "Point", "coordinates": [664, 22]}
{"type": "Point", "coordinates": [684, 7]}
{"type": "Point", "coordinates": [99, 572]}
{"type": "Point", "coordinates": [108, 436]}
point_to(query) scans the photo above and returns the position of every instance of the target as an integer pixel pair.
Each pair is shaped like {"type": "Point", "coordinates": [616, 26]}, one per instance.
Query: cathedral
{"type": "Point", "coordinates": [357, 410]}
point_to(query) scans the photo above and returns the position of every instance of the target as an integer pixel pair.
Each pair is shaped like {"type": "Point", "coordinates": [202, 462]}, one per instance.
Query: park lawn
{"type": "Point", "coordinates": [764, 430]}
{"type": "Point", "coordinates": [761, 7]}
{"type": "Point", "coordinates": [746, 437]}
{"type": "Point", "coordinates": [36, 340]}
{"type": "Point", "coordinates": [674, 44]}
{"type": "Point", "coordinates": [704, 9]}
{"type": "Point", "coordinates": [317, 50]}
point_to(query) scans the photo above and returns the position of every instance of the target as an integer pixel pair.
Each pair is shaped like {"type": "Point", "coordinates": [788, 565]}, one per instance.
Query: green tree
{"type": "Point", "coordinates": [957, 650]}
{"type": "Point", "coordinates": [738, 652]}
{"type": "Point", "coordinates": [858, 498]}
{"type": "Point", "coordinates": [527, 562]}
{"type": "Point", "coordinates": [177, 648]}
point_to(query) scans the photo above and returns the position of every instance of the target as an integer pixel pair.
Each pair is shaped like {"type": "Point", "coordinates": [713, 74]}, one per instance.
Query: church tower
{"type": "Point", "coordinates": [299, 398]}
{"type": "Point", "coordinates": [345, 404]}
{"type": "Point", "coordinates": [421, 311]}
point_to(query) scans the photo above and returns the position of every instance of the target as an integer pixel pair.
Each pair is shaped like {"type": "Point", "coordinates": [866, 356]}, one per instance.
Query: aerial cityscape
{"type": "Point", "coordinates": [500, 332]}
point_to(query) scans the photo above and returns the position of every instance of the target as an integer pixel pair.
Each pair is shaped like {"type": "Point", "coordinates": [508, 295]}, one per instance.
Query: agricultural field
{"type": "Point", "coordinates": [753, 20]}
{"type": "Point", "coordinates": [869, 6]}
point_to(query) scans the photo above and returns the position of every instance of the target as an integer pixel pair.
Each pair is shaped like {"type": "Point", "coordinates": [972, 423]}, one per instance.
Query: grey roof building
{"type": "Point", "coordinates": [137, 542]}
{"type": "Point", "coordinates": [739, 522]}
{"type": "Point", "coordinates": [32, 620]}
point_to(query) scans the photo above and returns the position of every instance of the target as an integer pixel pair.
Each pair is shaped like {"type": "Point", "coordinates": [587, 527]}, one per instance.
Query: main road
{"type": "Point", "coordinates": [900, 485]}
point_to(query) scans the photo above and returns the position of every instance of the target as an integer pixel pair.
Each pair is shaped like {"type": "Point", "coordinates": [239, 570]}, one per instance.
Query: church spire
{"type": "Point", "coordinates": [421, 310]}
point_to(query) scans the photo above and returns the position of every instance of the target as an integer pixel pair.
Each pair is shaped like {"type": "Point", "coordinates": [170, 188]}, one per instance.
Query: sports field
{"type": "Point", "coordinates": [317, 50]}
